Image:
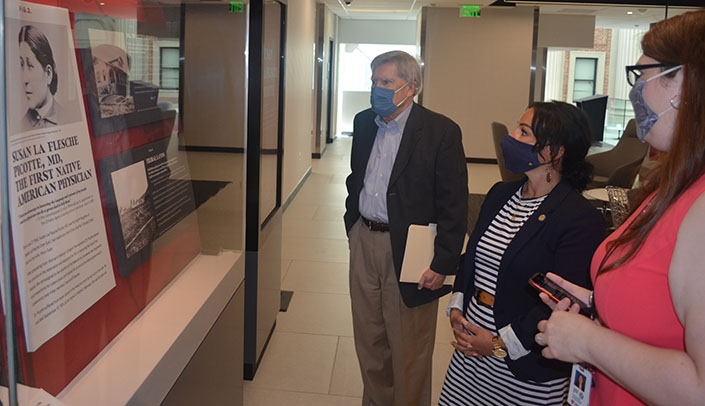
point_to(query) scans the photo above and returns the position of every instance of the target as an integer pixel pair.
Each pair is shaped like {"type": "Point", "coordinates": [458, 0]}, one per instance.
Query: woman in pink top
{"type": "Point", "coordinates": [649, 275]}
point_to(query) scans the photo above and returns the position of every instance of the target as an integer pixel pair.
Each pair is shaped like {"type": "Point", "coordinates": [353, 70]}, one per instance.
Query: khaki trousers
{"type": "Point", "coordinates": [394, 343]}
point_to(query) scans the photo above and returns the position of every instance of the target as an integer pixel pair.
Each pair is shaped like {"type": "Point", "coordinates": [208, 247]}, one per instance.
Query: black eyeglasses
{"type": "Point", "coordinates": [634, 72]}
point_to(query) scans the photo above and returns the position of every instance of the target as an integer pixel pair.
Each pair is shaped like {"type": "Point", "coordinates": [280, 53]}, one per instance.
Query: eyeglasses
{"type": "Point", "coordinates": [634, 72]}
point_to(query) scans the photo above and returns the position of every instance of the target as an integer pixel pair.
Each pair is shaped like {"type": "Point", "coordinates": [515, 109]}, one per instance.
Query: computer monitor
{"type": "Point", "coordinates": [595, 107]}
{"type": "Point", "coordinates": [144, 95]}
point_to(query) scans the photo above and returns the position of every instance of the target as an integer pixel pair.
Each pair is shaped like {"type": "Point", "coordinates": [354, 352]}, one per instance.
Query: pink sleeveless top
{"type": "Point", "coordinates": [635, 299]}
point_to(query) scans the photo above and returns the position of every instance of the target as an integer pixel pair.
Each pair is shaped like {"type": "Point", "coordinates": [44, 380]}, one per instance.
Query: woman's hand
{"type": "Point", "coordinates": [578, 291]}
{"type": "Point", "coordinates": [471, 340]}
{"type": "Point", "coordinates": [565, 334]}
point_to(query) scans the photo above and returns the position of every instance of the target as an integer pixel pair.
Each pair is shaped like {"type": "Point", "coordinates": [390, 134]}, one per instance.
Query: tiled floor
{"type": "Point", "coordinates": [310, 359]}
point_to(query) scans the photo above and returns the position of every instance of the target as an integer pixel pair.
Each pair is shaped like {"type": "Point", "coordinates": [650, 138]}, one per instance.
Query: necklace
{"type": "Point", "coordinates": [520, 208]}
{"type": "Point", "coordinates": [515, 210]}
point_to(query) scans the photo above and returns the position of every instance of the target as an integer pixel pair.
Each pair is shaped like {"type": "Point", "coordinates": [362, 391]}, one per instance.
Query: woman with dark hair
{"type": "Point", "coordinates": [39, 79]}
{"type": "Point", "coordinates": [541, 223]}
{"type": "Point", "coordinates": [649, 277]}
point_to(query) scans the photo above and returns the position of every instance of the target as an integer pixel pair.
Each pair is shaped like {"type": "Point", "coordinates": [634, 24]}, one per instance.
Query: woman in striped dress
{"type": "Point", "coordinates": [539, 224]}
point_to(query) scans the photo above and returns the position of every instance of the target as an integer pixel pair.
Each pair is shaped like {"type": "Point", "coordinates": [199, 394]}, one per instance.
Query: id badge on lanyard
{"type": "Point", "coordinates": [580, 385]}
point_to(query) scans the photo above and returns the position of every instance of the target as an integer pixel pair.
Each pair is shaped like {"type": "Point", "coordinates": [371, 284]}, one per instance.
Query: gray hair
{"type": "Point", "coordinates": [408, 67]}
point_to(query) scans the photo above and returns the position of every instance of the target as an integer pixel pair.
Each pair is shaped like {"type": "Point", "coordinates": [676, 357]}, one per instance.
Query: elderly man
{"type": "Point", "coordinates": [408, 167]}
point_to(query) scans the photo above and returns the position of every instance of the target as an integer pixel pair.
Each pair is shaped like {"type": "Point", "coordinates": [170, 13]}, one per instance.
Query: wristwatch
{"type": "Point", "coordinates": [497, 349]}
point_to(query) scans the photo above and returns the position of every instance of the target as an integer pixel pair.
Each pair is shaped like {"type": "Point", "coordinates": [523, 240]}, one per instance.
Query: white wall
{"type": "Point", "coordinates": [478, 70]}
{"type": "Point", "coordinates": [569, 31]}
{"type": "Point", "coordinates": [299, 97]}
{"type": "Point", "coordinates": [325, 33]}
{"type": "Point", "coordinates": [555, 66]}
{"type": "Point", "coordinates": [396, 32]}
{"type": "Point", "coordinates": [626, 50]}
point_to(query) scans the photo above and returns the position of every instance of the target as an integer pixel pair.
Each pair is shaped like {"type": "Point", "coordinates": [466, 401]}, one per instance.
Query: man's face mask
{"type": "Point", "coordinates": [644, 116]}
{"type": "Point", "coordinates": [382, 100]}
{"type": "Point", "coordinates": [518, 156]}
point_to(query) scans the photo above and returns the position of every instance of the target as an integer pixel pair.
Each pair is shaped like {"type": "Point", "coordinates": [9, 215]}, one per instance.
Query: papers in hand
{"type": "Point", "coordinates": [419, 253]}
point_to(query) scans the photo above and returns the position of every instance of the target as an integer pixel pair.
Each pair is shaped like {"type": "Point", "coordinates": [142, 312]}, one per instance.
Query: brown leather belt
{"type": "Point", "coordinates": [483, 298]}
{"type": "Point", "coordinates": [375, 225]}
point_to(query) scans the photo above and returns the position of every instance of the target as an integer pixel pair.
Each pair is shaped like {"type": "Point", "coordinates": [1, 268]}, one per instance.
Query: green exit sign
{"type": "Point", "coordinates": [237, 7]}
{"type": "Point", "coordinates": [469, 10]}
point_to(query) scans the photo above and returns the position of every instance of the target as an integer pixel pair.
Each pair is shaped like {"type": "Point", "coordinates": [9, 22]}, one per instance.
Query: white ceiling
{"type": "Point", "coordinates": [606, 16]}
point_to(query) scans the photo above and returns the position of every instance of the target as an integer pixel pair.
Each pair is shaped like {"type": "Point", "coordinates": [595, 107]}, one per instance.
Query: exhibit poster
{"type": "Point", "coordinates": [145, 196]}
{"type": "Point", "coordinates": [61, 251]}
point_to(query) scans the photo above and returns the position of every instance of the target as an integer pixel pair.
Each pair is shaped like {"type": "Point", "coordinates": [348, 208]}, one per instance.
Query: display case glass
{"type": "Point", "coordinates": [125, 161]}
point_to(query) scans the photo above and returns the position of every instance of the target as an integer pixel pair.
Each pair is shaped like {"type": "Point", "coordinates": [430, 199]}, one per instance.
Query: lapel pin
{"type": "Point", "coordinates": [542, 217]}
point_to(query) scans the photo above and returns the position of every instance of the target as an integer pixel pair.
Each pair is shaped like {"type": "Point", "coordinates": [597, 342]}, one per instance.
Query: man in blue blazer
{"type": "Point", "coordinates": [408, 167]}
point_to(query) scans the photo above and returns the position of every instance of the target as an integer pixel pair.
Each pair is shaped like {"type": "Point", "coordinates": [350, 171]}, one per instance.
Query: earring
{"type": "Point", "coordinates": [549, 177]}
{"type": "Point", "coordinates": [676, 102]}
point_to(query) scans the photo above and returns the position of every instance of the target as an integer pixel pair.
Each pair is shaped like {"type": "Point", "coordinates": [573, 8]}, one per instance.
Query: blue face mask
{"type": "Point", "coordinates": [644, 116]}
{"type": "Point", "coordinates": [518, 156]}
{"type": "Point", "coordinates": [382, 100]}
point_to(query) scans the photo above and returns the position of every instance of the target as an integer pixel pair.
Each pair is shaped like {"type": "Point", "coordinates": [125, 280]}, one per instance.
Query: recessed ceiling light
{"type": "Point", "coordinates": [630, 12]}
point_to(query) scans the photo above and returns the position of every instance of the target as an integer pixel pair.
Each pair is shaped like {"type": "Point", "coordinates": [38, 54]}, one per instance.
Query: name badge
{"type": "Point", "coordinates": [580, 385]}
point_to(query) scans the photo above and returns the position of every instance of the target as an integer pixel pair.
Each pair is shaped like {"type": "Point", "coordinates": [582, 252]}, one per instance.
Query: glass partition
{"type": "Point", "coordinates": [126, 140]}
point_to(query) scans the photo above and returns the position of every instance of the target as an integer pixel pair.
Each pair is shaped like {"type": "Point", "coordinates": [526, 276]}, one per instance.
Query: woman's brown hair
{"type": "Point", "coordinates": [675, 41]}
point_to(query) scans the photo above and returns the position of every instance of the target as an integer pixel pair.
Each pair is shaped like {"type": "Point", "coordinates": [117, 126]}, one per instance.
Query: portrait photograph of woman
{"type": "Point", "coordinates": [44, 86]}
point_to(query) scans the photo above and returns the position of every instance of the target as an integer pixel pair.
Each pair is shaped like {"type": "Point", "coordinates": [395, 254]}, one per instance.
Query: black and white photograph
{"type": "Point", "coordinates": [44, 96]}
{"type": "Point", "coordinates": [111, 70]}
{"type": "Point", "coordinates": [120, 86]}
{"type": "Point", "coordinates": [134, 206]}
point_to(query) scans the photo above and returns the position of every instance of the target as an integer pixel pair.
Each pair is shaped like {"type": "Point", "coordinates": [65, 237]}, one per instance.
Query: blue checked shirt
{"type": "Point", "coordinates": [373, 197]}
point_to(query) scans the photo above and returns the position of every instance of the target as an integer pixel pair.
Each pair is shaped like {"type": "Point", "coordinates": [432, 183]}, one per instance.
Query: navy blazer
{"type": "Point", "coordinates": [428, 184]}
{"type": "Point", "coordinates": [560, 237]}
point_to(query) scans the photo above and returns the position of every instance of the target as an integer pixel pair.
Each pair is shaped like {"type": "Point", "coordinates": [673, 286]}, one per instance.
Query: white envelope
{"type": "Point", "coordinates": [419, 253]}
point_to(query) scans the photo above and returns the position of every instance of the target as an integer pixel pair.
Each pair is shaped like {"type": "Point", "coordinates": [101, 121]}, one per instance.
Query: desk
{"type": "Point", "coordinates": [597, 194]}
{"type": "Point", "coordinates": [600, 200]}
{"type": "Point", "coordinates": [599, 146]}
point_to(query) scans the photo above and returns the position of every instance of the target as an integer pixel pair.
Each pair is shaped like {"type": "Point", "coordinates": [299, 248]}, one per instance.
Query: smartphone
{"type": "Point", "coordinates": [557, 293]}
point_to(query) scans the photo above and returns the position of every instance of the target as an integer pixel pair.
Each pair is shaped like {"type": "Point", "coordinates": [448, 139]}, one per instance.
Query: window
{"type": "Point", "coordinates": [584, 79]}
{"type": "Point", "coordinates": [169, 68]}
{"type": "Point", "coordinates": [585, 75]}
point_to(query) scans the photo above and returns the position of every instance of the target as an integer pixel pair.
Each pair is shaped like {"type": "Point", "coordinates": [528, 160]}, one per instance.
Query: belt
{"type": "Point", "coordinates": [375, 225]}
{"type": "Point", "coordinates": [483, 298]}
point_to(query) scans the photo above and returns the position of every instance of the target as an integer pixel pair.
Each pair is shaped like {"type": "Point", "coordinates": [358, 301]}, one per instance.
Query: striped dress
{"type": "Point", "coordinates": [488, 382]}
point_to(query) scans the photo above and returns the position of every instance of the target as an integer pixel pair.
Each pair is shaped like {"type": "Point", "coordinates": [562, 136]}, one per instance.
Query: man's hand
{"type": "Point", "coordinates": [431, 280]}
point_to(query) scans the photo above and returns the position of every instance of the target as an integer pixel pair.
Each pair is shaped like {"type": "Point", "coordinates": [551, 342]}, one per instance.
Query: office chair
{"type": "Point", "coordinates": [620, 165]}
